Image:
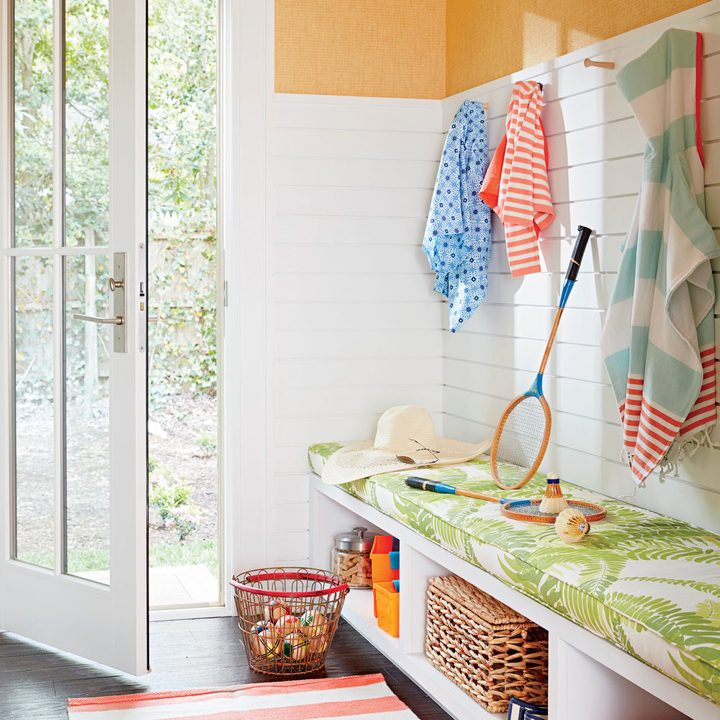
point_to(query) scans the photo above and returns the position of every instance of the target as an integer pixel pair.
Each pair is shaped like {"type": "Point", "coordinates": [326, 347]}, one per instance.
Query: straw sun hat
{"type": "Point", "coordinates": [404, 432]}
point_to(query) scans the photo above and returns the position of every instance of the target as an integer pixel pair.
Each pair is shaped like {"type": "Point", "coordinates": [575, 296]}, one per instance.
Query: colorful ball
{"type": "Point", "coordinates": [312, 619]}
{"type": "Point", "coordinates": [260, 627]}
{"type": "Point", "coordinates": [315, 630]}
{"type": "Point", "coordinates": [295, 646]}
{"type": "Point", "coordinates": [318, 644]}
{"type": "Point", "coordinates": [275, 610]}
{"type": "Point", "coordinates": [287, 624]}
{"type": "Point", "coordinates": [268, 643]}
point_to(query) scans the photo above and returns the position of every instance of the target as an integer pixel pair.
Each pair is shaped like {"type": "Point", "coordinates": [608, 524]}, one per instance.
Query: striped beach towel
{"type": "Point", "coordinates": [353, 698]}
{"type": "Point", "coordinates": [521, 198]}
{"type": "Point", "coordinates": [658, 342]}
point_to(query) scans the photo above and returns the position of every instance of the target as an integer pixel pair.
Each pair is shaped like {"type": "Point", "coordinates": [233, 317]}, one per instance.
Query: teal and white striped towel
{"type": "Point", "coordinates": [658, 342]}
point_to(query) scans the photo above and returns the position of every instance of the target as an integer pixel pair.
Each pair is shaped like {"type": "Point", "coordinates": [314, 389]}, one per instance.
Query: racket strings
{"type": "Point", "coordinates": [521, 437]}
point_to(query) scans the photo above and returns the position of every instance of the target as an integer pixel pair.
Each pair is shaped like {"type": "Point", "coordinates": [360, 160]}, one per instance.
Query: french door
{"type": "Point", "coordinates": [73, 344]}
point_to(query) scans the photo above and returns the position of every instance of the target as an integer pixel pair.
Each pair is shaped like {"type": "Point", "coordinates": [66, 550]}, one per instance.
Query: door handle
{"type": "Point", "coordinates": [101, 321]}
{"type": "Point", "coordinates": [119, 309]}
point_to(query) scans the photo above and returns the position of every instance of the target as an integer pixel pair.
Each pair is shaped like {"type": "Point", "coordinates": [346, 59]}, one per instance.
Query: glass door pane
{"type": "Point", "coordinates": [34, 476]}
{"type": "Point", "coordinates": [33, 123]}
{"type": "Point", "coordinates": [87, 419]}
{"type": "Point", "coordinates": [87, 132]}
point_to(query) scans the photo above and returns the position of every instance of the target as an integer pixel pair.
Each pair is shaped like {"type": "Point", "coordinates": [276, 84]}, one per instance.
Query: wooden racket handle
{"type": "Point", "coordinates": [479, 496]}
{"type": "Point", "coordinates": [549, 345]}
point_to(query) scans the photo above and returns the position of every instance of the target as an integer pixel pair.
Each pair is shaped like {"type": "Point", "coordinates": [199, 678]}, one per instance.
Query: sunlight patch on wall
{"type": "Point", "coordinates": [541, 39]}
{"type": "Point", "coordinates": [577, 39]}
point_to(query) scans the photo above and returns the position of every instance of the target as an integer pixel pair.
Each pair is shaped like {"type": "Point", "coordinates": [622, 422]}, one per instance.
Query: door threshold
{"type": "Point", "coordinates": [189, 613]}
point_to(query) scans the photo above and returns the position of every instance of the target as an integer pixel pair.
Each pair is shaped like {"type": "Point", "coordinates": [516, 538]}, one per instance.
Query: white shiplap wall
{"type": "Point", "coordinates": [355, 326]}
{"type": "Point", "coordinates": [595, 148]}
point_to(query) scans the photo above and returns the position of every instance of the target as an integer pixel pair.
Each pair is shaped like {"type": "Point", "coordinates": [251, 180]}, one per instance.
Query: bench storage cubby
{"type": "Point", "coordinates": [486, 648]}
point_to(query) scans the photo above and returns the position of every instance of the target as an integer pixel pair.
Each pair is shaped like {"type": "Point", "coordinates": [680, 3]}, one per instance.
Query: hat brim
{"type": "Point", "coordinates": [361, 460]}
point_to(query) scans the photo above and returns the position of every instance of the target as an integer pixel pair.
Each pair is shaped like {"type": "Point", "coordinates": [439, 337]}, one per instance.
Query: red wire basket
{"type": "Point", "coordinates": [288, 617]}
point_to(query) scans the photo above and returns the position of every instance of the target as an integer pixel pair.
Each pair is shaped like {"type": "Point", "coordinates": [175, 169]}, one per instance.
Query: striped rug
{"type": "Point", "coordinates": [353, 698]}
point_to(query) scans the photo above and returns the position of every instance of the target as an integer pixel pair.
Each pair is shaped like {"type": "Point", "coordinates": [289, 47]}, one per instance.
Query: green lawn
{"type": "Point", "coordinates": [196, 552]}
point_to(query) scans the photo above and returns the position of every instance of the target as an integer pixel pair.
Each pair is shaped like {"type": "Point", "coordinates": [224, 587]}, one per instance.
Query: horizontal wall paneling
{"type": "Point", "coordinates": [595, 151]}
{"type": "Point", "coordinates": [356, 325]}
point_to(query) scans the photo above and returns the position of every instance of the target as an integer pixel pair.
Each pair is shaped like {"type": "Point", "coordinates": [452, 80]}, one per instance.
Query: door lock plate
{"type": "Point", "coordinates": [117, 286]}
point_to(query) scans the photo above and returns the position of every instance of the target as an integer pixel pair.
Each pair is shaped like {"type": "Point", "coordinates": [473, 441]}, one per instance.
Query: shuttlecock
{"type": "Point", "coordinates": [571, 526]}
{"type": "Point", "coordinates": [553, 503]}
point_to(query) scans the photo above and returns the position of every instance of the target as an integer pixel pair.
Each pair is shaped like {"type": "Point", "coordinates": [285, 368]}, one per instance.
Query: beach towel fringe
{"type": "Point", "coordinates": [684, 449]}
{"type": "Point", "coordinates": [627, 457]}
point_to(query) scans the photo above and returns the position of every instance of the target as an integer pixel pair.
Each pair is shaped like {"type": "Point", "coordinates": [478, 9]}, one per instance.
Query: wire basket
{"type": "Point", "coordinates": [287, 617]}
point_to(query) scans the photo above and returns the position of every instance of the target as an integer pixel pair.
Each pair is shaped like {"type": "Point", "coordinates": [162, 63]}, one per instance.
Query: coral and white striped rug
{"type": "Point", "coordinates": [352, 698]}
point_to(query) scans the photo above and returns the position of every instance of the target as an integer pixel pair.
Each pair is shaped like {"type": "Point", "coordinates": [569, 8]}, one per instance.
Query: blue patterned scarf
{"type": "Point", "coordinates": [457, 238]}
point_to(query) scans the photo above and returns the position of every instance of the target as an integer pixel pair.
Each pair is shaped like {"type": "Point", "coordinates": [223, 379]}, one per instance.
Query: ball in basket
{"type": "Point", "coordinates": [312, 619]}
{"type": "Point", "coordinates": [318, 643]}
{"type": "Point", "coordinates": [260, 627]}
{"type": "Point", "coordinates": [275, 610]}
{"type": "Point", "coordinates": [269, 643]}
{"type": "Point", "coordinates": [295, 646]}
{"type": "Point", "coordinates": [287, 624]}
{"type": "Point", "coordinates": [312, 631]}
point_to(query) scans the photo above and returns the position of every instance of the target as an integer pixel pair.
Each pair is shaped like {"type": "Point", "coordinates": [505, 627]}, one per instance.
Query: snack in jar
{"type": "Point", "coordinates": [351, 557]}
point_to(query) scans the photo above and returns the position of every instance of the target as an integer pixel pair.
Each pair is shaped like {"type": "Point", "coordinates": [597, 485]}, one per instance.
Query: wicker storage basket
{"type": "Point", "coordinates": [485, 647]}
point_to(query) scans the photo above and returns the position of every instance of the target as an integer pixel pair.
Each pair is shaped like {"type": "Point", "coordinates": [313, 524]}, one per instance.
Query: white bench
{"type": "Point", "coordinates": [589, 678]}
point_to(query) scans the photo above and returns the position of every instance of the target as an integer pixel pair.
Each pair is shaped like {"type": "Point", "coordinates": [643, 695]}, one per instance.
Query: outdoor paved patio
{"type": "Point", "coordinates": [180, 585]}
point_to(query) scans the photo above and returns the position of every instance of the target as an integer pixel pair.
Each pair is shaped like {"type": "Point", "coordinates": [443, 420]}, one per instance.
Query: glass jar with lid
{"type": "Point", "coordinates": [351, 557]}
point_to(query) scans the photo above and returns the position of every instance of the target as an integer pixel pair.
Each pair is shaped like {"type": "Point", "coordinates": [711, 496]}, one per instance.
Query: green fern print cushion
{"type": "Point", "coordinates": [645, 582]}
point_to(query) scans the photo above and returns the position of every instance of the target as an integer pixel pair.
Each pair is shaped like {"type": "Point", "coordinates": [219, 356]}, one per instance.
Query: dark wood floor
{"type": "Point", "coordinates": [35, 682]}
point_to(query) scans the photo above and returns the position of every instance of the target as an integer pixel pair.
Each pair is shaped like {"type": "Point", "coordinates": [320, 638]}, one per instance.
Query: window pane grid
{"type": "Point", "coordinates": [59, 263]}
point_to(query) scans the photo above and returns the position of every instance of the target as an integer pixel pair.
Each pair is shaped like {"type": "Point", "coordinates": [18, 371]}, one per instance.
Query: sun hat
{"type": "Point", "coordinates": [406, 431]}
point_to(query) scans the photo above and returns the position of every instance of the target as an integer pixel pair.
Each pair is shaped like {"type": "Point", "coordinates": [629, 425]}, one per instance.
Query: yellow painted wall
{"type": "Point", "coordinates": [377, 48]}
{"type": "Point", "coordinates": [436, 48]}
{"type": "Point", "coordinates": [488, 40]}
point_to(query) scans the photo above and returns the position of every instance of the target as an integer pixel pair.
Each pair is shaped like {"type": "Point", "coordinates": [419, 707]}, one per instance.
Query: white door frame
{"type": "Point", "coordinates": [103, 623]}
{"type": "Point", "coordinates": [245, 91]}
{"type": "Point", "coordinates": [247, 87]}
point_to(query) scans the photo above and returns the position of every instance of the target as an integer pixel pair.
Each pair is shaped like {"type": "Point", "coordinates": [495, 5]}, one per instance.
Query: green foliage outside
{"type": "Point", "coordinates": [170, 498]}
{"type": "Point", "coordinates": [207, 442]}
{"type": "Point", "coordinates": [182, 163]}
{"type": "Point", "coordinates": [33, 123]}
{"type": "Point", "coordinates": [182, 136]}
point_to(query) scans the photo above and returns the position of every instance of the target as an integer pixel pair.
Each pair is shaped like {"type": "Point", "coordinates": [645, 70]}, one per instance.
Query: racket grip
{"type": "Point", "coordinates": [432, 485]}
{"type": "Point", "coordinates": [578, 252]}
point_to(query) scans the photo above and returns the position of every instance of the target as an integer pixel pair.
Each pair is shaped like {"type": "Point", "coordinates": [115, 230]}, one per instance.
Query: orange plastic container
{"type": "Point", "coordinates": [387, 607]}
{"type": "Point", "coordinates": [380, 558]}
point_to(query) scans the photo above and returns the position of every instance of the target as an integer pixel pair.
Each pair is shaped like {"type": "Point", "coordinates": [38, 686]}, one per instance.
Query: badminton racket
{"type": "Point", "coordinates": [522, 436]}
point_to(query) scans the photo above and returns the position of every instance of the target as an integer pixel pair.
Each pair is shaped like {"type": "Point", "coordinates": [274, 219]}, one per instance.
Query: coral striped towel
{"type": "Point", "coordinates": [658, 342]}
{"type": "Point", "coordinates": [365, 696]}
{"type": "Point", "coordinates": [522, 197]}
